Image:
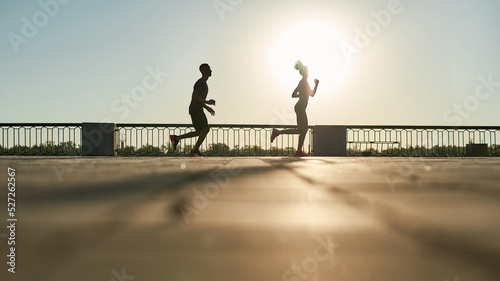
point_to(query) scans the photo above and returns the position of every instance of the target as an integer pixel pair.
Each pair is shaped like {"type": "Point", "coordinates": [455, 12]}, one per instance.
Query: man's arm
{"type": "Point", "coordinates": [197, 98]}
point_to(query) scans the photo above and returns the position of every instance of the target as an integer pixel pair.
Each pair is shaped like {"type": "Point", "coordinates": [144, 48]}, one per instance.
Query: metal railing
{"type": "Point", "coordinates": [222, 140]}
{"type": "Point", "coordinates": [40, 139]}
{"type": "Point", "coordinates": [421, 141]}
{"type": "Point", "coordinates": [248, 140]}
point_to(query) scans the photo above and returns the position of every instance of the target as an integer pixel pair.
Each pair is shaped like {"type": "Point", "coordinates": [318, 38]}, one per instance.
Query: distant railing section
{"type": "Point", "coordinates": [40, 139]}
{"type": "Point", "coordinates": [420, 141]}
{"type": "Point", "coordinates": [222, 140]}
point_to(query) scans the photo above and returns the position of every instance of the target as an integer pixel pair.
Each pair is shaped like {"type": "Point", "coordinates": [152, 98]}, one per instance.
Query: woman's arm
{"type": "Point", "coordinates": [295, 93]}
{"type": "Point", "coordinates": [316, 82]}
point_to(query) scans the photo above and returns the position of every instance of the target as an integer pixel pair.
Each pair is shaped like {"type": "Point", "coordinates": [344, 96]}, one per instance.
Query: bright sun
{"type": "Point", "coordinates": [316, 44]}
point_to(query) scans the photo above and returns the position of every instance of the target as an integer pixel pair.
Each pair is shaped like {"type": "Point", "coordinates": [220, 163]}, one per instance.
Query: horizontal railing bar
{"type": "Point", "coordinates": [40, 124]}
{"type": "Point", "coordinates": [384, 142]}
{"type": "Point", "coordinates": [311, 127]}
{"type": "Point", "coordinates": [426, 127]}
{"type": "Point", "coordinates": [120, 125]}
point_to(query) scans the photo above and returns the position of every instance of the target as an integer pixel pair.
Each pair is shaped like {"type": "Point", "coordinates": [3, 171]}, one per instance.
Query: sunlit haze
{"type": "Point", "coordinates": [316, 43]}
{"type": "Point", "coordinates": [383, 62]}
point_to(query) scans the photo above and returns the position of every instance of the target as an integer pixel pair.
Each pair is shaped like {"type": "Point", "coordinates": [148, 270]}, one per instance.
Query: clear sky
{"type": "Point", "coordinates": [387, 62]}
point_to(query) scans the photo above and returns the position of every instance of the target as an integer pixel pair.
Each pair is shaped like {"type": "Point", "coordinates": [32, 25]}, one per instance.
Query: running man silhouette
{"type": "Point", "coordinates": [200, 122]}
{"type": "Point", "coordinates": [303, 91]}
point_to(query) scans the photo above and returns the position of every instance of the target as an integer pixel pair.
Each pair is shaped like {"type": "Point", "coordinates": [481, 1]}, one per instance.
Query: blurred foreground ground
{"type": "Point", "coordinates": [236, 219]}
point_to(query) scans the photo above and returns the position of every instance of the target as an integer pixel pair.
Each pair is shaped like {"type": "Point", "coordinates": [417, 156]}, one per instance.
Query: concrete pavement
{"type": "Point", "coordinates": [277, 219]}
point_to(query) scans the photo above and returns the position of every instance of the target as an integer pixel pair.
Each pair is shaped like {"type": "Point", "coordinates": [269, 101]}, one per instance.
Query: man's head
{"type": "Point", "coordinates": [205, 70]}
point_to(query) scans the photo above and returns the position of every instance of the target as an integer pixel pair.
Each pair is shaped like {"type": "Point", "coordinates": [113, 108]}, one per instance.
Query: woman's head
{"type": "Point", "coordinates": [303, 70]}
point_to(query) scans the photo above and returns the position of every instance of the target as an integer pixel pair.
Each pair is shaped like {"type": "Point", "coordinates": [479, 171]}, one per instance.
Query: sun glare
{"type": "Point", "coordinates": [316, 44]}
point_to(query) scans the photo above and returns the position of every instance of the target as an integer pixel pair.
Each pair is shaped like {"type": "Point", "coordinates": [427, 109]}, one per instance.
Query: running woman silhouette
{"type": "Point", "coordinates": [303, 92]}
{"type": "Point", "coordinates": [200, 122]}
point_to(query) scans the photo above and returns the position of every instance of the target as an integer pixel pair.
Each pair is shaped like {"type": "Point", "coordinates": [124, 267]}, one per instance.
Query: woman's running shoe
{"type": "Point", "coordinates": [300, 154]}
{"type": "Point", "coordinates": [174, 141]}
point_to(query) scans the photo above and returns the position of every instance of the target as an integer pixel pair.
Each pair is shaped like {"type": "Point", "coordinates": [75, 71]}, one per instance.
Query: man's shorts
{"type": "Point", "coordinates": [200, 121]}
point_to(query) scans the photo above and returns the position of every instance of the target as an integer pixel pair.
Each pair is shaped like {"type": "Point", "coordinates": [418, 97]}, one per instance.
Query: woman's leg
{"type": "Point", "coordinates": [302, 128]}
{"type": "Point", "coordinates": [294, 131]}
{"type": "Point", "coordinates": [289, 132]}
{"type": "Point", "coordinates": [276, 133]}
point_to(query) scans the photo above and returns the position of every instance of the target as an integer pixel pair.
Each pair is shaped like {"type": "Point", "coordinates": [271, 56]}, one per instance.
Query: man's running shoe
{"type": "Point", "coordinates": [195, 153]}
{"type": "Point", "coordinates": [300, 154]}
{"type": "Point", "coordinates": [174, 141]}
{"type": "Point", "coordinates": [275, 134]}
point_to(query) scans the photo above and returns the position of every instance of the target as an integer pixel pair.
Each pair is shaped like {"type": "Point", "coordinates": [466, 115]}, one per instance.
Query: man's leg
{"type": "Point", "coordinates": [201, 125]}
{"type": "Point", "coordinates": [176, 139]}
{"type": "Point", "coordinates": [188, 135]}
{"type": "Point", "coordinates": [203, 135]}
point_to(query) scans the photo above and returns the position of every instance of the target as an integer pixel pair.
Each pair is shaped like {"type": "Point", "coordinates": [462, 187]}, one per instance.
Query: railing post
{"type": "Point", "coordinates": [98, 139]}
{"type": "Point", "coordinates": [477, 150]}
{"type": "Point", "coordinates": [330, 141]}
